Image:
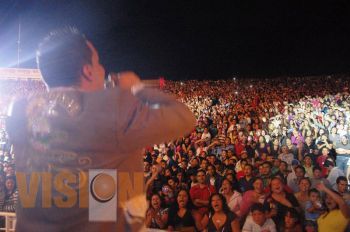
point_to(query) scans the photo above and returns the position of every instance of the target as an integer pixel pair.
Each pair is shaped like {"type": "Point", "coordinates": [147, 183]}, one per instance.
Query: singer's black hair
{"type": "Point", "coordinates": [61, 57]}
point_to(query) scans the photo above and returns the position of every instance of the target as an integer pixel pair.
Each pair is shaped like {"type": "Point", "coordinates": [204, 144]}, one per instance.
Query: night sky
{"type": "Point", "coordinates": [190, 39]}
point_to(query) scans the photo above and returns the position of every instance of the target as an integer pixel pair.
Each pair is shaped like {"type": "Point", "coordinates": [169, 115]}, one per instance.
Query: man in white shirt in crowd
{"type": "Point", "coordinates": [333, 172]}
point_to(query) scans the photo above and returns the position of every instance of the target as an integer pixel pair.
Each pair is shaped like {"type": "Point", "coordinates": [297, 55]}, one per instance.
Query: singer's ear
{"type": "Point", "coordinates": [87, 72]}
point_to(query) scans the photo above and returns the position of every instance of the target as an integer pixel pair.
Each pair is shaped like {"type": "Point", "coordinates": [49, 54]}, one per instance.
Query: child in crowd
{"type": "Point", "coordinates": [313, 209]}
{"type": "Point", "coordinates": [258, 221]}
{"type": "Point", "coordinates": [291, 221]}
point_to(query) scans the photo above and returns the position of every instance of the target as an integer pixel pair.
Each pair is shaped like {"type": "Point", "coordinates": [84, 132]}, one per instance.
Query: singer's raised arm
{"type": "Point", "coordinates": [150, 117]}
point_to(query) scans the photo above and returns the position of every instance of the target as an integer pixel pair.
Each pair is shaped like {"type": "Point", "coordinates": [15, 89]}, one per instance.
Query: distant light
{"type": "Point", "coordinates": [234, 78]}
{"type": "Point", "coordinates": [251, 86]}
{"type": "Point", "coordinates": [236, 92]}
{"type": "Point", "coordinates": [181, 83]}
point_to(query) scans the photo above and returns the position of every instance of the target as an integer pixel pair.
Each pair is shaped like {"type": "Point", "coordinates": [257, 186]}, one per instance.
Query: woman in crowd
{"type": "Point", "coordinates": [11, 196]}
{"type": "Point", "coordinates": [220, 217]}
{"type": "Point", "coordinates": [250, 197]}
{"type": "Point", "coordinates": [279, 201]}
{"type": "Point", "coordinates": [156, 215]}
{"type": "Point", "coordinates": [337, 213]}
{"type": "Point", "coordinates": [232, 196]}
{"type": "Point", "coordinates": [303, 195]}
{"type": "Point", "coordinates": [293, 149]}
{"type": "Point", "coordinates": [291, 221]}
{"type": "Point", "coordinates": [182, 216]}
{"type": "Point", "coordinates": [262, 146]}
{"type": "Point", "coordinates": [275, 148]}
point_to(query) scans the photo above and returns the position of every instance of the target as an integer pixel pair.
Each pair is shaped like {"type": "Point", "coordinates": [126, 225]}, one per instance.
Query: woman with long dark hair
{"type": "Point", "coordinates": [221, 219]}
{"type": "Point", "coordinates": [11, 196]}
{"type": "Point", "coordinates": [156, 215]}
{"type": "Point", "coordinates": [233, 197]}
{"type": "Point", "coordinates": [182, 216]}
{"type": "Point", "coordinates": [291, 222]}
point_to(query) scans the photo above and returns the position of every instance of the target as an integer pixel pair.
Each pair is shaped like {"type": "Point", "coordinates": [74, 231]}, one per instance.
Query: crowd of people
{"type": "Point", "coordinates": [8, 189]}
{"type": "Point", "coordinates": [9, 90]}
{"type": "Point", "coordinates": [266, 155]}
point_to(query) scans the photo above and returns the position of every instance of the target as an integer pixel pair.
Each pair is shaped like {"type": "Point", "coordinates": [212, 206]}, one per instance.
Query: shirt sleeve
{"type": "Point", "coordinates": [272, 226]}
{"type": "Point", "coordinates": [150, 117]}
{"type": "Point", "coordinates": [293, 200]}
{"type": "Point", "coordinates": [247, 225]}
{"type": "Point", "coordinates": [171, 217]}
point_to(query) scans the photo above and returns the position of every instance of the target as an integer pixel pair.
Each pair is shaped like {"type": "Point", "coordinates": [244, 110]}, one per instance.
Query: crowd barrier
{"type": "Point", "coordinates": [10, 221]}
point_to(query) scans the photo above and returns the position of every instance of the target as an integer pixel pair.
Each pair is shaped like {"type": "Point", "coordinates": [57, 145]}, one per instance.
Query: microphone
{"type": "Point", "coordinates": [112, 82]}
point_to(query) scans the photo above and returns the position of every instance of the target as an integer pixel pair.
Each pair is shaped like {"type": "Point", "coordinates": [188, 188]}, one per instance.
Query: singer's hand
{"type": "Point", "coordinates": [127, 79]}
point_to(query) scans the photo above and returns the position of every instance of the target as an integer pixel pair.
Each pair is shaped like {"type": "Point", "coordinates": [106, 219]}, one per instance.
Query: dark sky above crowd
{"type": "Point", "coordinates": [190, 39]}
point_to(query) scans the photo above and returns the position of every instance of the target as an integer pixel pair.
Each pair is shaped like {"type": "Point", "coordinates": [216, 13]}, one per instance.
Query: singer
{"type": "Point", "coordinates": [77, 126]}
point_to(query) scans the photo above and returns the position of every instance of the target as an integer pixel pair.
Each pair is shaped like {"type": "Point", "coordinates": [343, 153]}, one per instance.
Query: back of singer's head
{"type": "Point", "coordinates": [61, 57]}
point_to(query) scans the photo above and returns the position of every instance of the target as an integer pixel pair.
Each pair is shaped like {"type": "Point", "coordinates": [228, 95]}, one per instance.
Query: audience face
{"type": "Point", "coordinates": [248, 171]}
{"type": "Point", "coordinates": [10, 184]}
{"type": "Point", "coordinates": [226, 187]}
{"type": "Point", "coordinates": [163, 164]}
{"type": "Point", "coordinates": [200, 177]}
{"type": "Point", "coordinates": [277, 163]}
{"type": "Point", "coordinates": [330, 203]}
{"type": "Point", "coordinates": [283, 167]}
{"type": "Point", "coordinates": [344, 140]}
{"type": "Point", "coordinates": [258, 186]}
{"type": "Point", "coordinates": [179, 176]}
{"type": "Point", "coordinates": [266, 169]}
{"type": "Point", "coordinates": [342, 186]}
{"type": "Point", "coordinates": [284, 149]}
{"type": "Point", "coordinates": [167, 172]}
{"type": "Point", "coordinates": [304, 185]}
{"type": "Point", "coordinates": [155, 202]}
{"type": "Point", "coordinates": [276, 186]}
{"type": "Point", "coordinates": [204, 164]}
{"type": "Point", "coordinates": [182, 199]}
{"type": "Point", "coordinates": [307, 161]}
{"type": "Point", "coordinates": [194, 163]}
{"type": "Point", "coordinates": [216, 203]}
{"type": "Point", "coordinates": [300, 173]}
{"type": "Point", "coordinates": [259, 217]}
{"type": "Point", "coordinates": [325, 151]}
{"type": "Point", "coordinates": [147, 167]}
{"type": "Point", "coordinates": [289, 221]}
{"type": "Point", "coordinates": [230, 177]}
{"type": "Point", "coordinates": [314, 197]}
{"type": "Point", "coordinates": [317, 174]}
{"type": "Point", "coordinates": [172, 183]}
{"type": "Point", "coordinates": [211, 171]}
{"type": "Point", "coordinates": [154, 169]}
